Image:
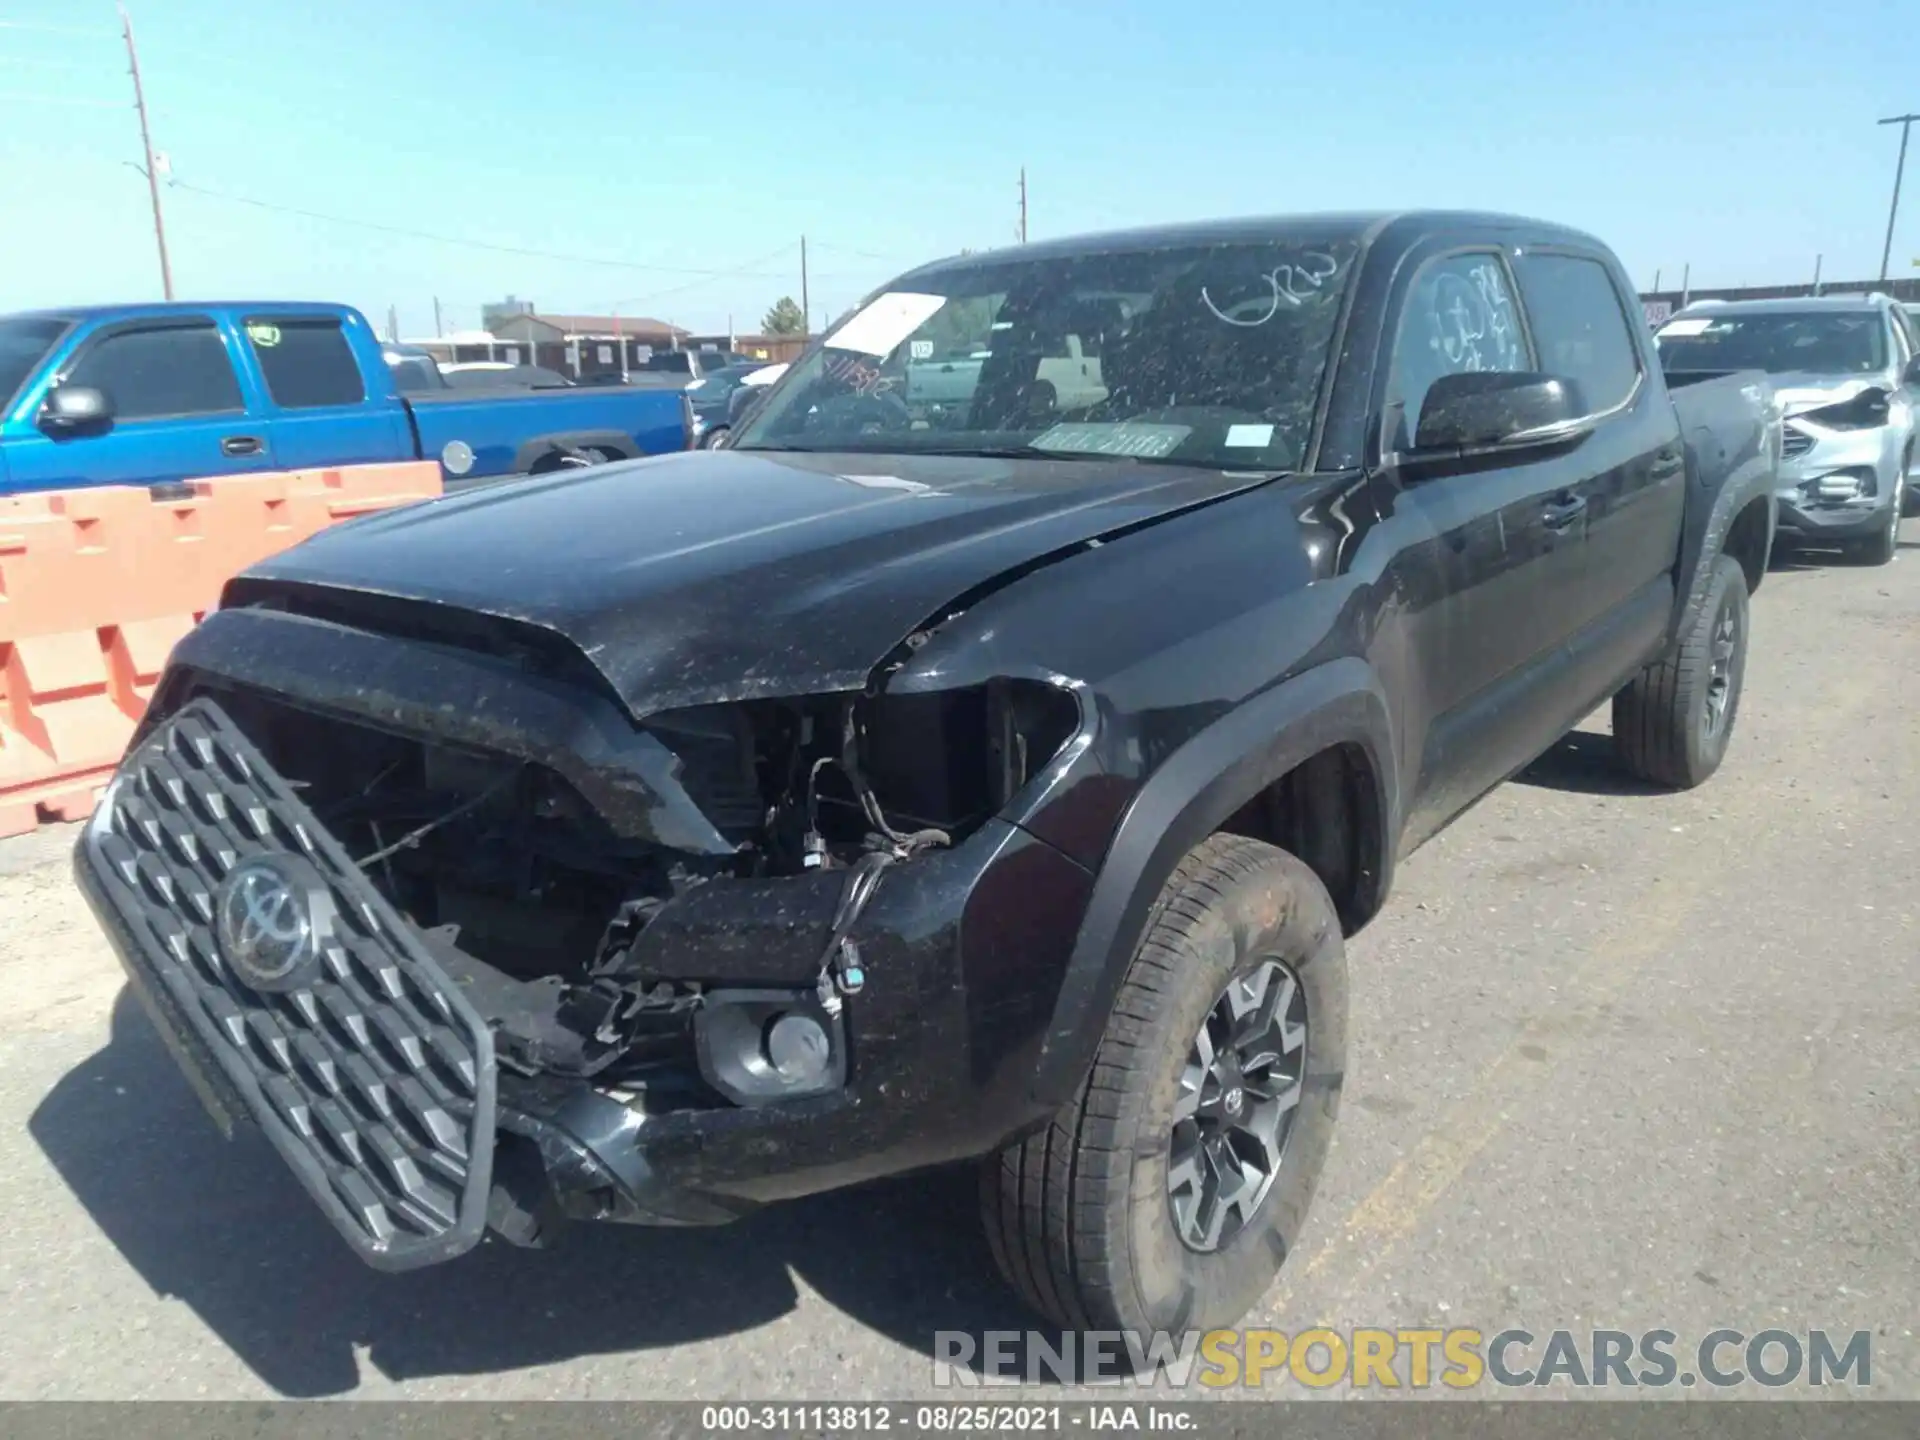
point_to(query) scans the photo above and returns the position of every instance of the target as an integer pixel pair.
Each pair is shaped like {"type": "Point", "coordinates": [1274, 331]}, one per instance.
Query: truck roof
{"type": "Point", "coordinates": [185, 307]}
{"type": "Point", "coordinates": [1361, 227]}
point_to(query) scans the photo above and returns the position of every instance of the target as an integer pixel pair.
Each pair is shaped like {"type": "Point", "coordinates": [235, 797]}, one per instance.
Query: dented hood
{"type": "Point", "coordinates": [1802, 390]}
{"type": "Point", "coordinates": [725, 575]}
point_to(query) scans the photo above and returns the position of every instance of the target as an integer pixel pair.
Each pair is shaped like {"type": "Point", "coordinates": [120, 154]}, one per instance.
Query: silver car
{"type": "Point", "coordinates": [1846, 374]}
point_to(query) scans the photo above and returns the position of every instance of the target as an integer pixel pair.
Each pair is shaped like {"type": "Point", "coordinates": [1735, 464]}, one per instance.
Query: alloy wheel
{"type": "Point", "coordinates": [1726, 638]}
{"type": "Point", "coordinates": [1239, 1093]}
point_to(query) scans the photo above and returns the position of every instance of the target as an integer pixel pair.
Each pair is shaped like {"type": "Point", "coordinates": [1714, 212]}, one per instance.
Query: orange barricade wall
{"type": "Point", "coordinates": [96, 586]}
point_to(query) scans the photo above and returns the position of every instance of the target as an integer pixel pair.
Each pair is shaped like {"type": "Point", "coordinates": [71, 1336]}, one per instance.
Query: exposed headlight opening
{"type": "Point", "coordinates": [1866, 411]}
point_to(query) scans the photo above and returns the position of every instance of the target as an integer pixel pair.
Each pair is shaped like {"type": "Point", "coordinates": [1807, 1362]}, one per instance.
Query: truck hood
{"type": "Point", "coordinates": [1802, 390]}
{"type": "Point", "coordinates": [725, 575]}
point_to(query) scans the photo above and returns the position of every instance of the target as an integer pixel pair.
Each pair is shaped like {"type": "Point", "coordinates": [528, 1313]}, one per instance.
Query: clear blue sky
{"type": "Point", "coordinates": [1738, 135]}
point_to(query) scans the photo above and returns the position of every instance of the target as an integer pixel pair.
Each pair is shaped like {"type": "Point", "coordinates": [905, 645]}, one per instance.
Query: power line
{"type": "Point", "coordinates": [211, 194]}
{"type": "Point", "coordinates": [745, 271]}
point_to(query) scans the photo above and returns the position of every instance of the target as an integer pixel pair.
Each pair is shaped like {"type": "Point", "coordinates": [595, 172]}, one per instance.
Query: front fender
{"type": "Point", "coordinates": [1723, 479]}
{"type": "Point", "coordinates": [1188, 798]}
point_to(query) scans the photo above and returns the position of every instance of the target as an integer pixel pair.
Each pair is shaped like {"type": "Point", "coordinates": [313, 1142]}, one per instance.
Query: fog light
{"type": "Point", "coordinates": [1845, 485]}
{"type": "Point", "coordinates": [756, 1046]}
{"type": "Point", "coordinates": [799, 1049]}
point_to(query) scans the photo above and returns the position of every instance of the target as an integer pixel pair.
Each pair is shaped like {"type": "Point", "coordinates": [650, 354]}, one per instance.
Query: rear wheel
{"type": "Point", "coordinates": [1167, 1194]}
{"type": "Point", "coordinates": [1671, 725]}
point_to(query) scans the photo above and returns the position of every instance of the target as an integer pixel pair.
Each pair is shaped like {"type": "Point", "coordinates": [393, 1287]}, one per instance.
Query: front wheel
{"type": "Point", "coordinates": [1880, 547]}
{"type": "Point", "coordinates": [1672, 723]}
{"type": "Point", "coordinates": [1167, 1195]}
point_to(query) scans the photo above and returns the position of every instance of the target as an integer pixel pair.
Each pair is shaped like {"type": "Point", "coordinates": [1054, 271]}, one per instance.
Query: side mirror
{"type": "Point", "coordinates": [1487, 408]}
{"type": "Point", "coordinates": [72, 408]}
{"type": "Point", "coordinates": [743, 402]}
{"type": "Point", "coordinates": [1912, 374]}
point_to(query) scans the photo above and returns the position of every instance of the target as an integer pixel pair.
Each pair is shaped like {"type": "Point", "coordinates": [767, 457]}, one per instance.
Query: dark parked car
{"type": "Point", "coordinates": [889, 790]}
{"type": "Point", "coordinates": [712, 400]}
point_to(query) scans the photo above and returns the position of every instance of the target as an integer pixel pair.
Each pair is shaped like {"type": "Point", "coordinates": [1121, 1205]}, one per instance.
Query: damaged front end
{"type": "Point", "coordinates": [479, 949]}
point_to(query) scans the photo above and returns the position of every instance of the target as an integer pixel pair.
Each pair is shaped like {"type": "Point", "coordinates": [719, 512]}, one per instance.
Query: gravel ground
{"type": "Point", "coordinates": [1621, 1060]}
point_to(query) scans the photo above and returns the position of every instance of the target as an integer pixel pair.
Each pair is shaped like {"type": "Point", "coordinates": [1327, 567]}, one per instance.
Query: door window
{"type": "Point", "coordinates": [1459, 317]}
{"type": "Point", "coordinates": [307, 363]}
{"type": "Point", "coordinates": [1580, 327]}
{"type": "Point", "coordinates": [148, 374]}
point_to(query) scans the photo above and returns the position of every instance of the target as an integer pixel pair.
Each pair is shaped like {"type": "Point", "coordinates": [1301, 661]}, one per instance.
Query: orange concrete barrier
{"type": "Point", "coordinates": [97, 585]}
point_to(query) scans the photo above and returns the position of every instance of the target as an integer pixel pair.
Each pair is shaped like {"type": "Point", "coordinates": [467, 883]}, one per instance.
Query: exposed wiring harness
{"type": "Point", "coordinates": [840, 966]}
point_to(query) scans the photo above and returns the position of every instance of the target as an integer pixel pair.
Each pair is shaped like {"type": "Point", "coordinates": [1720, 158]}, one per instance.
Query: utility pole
{"type": "Point", "coordinates": [146, 142]}
{"type": "Point", "coordinates": [1023, 204]}
{"type": "Point", "coordinates": [393, 326]}
{"type": "Point", "coordinates": [806, 311]}
{"type": "Point", "coordinates": [1686, 285]}
{"type": "Point", "coordinates": [438, 331]}
{"type": "Point", "coordinates": [1905, 122]}
{"type": "Point", "coordinates": [1816, 273]}
{"type": "Point", "coordinates": [1656, 282]}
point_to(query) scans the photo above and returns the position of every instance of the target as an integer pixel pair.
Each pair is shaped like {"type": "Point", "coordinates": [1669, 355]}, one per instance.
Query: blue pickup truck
{"type": "Point", "coordinates": [145, 394]}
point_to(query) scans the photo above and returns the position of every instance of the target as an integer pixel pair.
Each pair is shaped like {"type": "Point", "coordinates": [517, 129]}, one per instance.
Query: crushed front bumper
{"type": "Point", "coordinates": [1836, 485]}
{"type": "Point", "coordinates": [373, 1070]}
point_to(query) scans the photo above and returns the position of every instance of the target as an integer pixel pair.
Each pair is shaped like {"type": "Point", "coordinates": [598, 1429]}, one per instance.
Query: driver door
{"type": "Point", "coordinates": [177, 411]}
{"type": "Point", "coordinates": [1497, 590]}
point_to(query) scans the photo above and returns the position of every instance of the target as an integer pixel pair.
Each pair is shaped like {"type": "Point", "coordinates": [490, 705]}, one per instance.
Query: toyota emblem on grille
{"type": "Point", "coordinates": [266, 925]}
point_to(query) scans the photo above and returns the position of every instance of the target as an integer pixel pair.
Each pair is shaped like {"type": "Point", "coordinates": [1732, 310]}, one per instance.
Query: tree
{"type": "Point", "coordinates": [784, 318]}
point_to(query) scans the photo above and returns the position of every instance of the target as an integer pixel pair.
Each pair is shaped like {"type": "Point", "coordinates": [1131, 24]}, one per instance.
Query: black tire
{"type": "Point", "coordinates": [1660, 721]}
{"type": "Point", "coordinates": [1909, 494]}
{"type": "Point", "coordinates": [1079, 1214]}
{"type": "Point", "coordinates": [713, 438]}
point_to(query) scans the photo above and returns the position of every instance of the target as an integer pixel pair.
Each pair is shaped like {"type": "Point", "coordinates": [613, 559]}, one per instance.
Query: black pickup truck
{"type": "Point", "coordinates": [655, 841]}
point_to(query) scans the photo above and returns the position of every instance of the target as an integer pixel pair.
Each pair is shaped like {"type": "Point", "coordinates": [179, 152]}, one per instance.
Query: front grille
{"type": "Point", "coordinates": [1795, 442]}
{"type": "Point", "coordinates": [374, 1077]}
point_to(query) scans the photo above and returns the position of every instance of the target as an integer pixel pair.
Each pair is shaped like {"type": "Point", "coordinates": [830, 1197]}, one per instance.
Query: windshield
{"type": "Point", "coordinates": [1779, 342]}
{"type": "Point", "coordinates": [715, 387]}
{"type": "Point", "coordinates": [24, 342]}
{"type": "Point", "coordinates": [1205, 355]}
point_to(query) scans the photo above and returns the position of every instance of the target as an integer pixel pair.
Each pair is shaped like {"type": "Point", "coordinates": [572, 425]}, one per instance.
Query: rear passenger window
{"type": "Point", "coordinates": [1579, 326]}
{"type": "Point", "coordinates": [307, 363]}
{"type": "Point", "coordinates": [162, 372]}
{"type": "Point", "coordinates": [1459, 317]}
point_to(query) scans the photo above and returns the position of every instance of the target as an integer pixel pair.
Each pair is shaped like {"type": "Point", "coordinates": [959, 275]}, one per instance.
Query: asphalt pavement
{"type": "Point", "coordinates": [1621, 1059]}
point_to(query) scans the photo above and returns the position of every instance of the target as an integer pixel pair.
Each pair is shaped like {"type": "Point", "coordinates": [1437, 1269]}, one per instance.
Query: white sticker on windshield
{"type": "Point", "coordinates": [881, 326]}
{"type": "Point", "coordinates": [1256, 437]}
{"type": "Point", "coordinates": [1680, 329]}
{"type": "Point", "coordinates": [1139, 439]}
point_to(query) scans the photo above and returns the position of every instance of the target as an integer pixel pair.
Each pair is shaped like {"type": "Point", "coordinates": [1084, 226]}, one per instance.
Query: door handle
{"type": "Point", "coordinates": [1561, 513]}
{"type": "Point", "coordinates": [1666, 463]}
{"type": "Point", "coordinates": [240, 445]}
